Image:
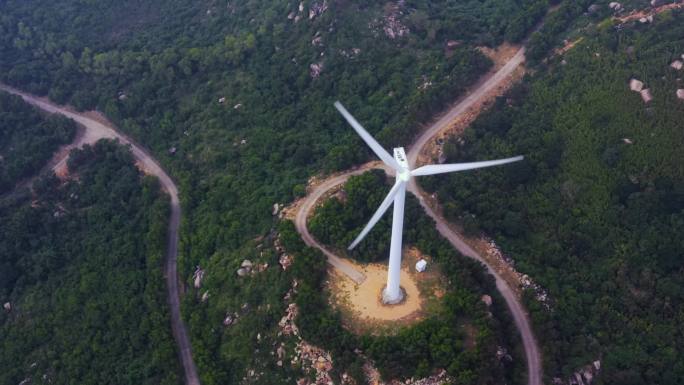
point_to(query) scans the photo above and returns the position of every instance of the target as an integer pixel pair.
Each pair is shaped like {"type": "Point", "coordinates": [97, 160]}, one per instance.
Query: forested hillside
{"type": "Point", "coordinates": [81, 269]}
{"type": "Point", "coordinates": [235, 99]}
{"type": "Point", "coordinates": [596, 212]}
{"type": "Point", "coordinates": [27, 139]}
{"type": "Point", "coordinates": [440, 341]}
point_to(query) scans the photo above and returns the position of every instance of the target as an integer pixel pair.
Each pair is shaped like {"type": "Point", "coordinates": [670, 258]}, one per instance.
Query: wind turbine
{"type": "Point", "coordinates": [392, 293]}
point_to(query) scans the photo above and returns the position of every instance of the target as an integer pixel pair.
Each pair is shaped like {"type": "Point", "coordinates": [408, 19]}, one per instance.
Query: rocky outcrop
{"type": "Point", "coordinates": [197, 277]}
{"type": "Point", "coordinates": [245, 268]}
{"type": "Point", "coordinates": [392, 24]}
{"type": "Point", "coordinates": [317, 9]}
{"type": "Point", "coordinates": [285, 261]}
{"type": "Point", "coordinates": [525, 281]}
{"type": "Point", "coordinates": [487, 300]}
{"type": "Point", "coordinates": [583, 376]}
{"type": "Point", "coordinates": [315, 70]}
{"type": "Point", "coordinates": [636, 85]}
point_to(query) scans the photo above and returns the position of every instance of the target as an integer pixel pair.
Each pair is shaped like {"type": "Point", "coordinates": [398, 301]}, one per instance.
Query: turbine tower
{"type": "Point", "coordinates": [392, 293]}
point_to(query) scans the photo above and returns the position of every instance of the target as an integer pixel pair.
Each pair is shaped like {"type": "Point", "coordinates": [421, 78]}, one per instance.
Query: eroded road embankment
{"type": "Point", "coordinates": [97, 127]}
{"type": "Point", "coordinates": [481, 90]}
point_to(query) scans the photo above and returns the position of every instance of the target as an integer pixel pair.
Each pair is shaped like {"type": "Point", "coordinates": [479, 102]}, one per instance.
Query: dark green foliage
{"type": "Point", "coordinates": [27, 139]}
{"type": "Point", "coordinates": [594, 219]}
{"type": "Point", "coordinates": [82, 267]}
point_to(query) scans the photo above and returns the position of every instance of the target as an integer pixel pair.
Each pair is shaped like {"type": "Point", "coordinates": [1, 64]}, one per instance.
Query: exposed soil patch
{"type": "Point", "coordinates": [638, 14]}
{"type": "Point", "coordinates": [567, 46]}
{"type": "Point", "coordinates": [431, 152]}
{"type": "Point", "coordinates": [500, 55]}
{"type": "Point", "coordinates": [361, 304]}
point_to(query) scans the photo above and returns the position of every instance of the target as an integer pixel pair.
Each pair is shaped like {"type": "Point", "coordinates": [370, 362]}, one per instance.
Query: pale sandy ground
{"type": "Point", "coordinates": [361, 304]}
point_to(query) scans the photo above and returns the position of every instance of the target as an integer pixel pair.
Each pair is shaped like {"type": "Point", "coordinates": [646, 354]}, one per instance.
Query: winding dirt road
{"type": "Point", "coordinates": [480, 90]}
{"type": "Point", "coordinates": [99, 128]}
{"type": "Point", "coordinates": [308, 205]}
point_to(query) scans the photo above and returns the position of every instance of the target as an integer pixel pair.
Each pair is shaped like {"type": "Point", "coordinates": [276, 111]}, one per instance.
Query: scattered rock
{"type": "Point", "coordinates": [286, 323]}
{"type": "Point", "coordinates": [627, 141]}
{"type": "Point", "coordinates": [7, 306]}
{"type": "Point", "coordinates": [677, 64]}
{"type": "Point", "coordinates": [198, 276]}
{"type": "Point", "coordinates": [205, 296]}
{"type": "Point", "coordinates": [315, 70]}
{"type": "Point", "coordinates": [222, 100]}
{"type": "Point", "coordinates": [242, 272]}
{"type": "Point", "coordinates": [502, 354]}
{"type": "Point", "coordinates": [317, 9]}
{"type": "Point", "coordinates": [451, 44]}
{"type": "Point", "coordinates": [421, 265]}
{"type": "Point", "coordinates": [172, 150]}
{"type": "Point", "coordinates": [582, 376]}
{"type": "Point", "coordinates": [646, 95]}
{"type": "Point", "coordinates": [276, 209]}
{"type": "Point", "coordinates": [285, 261]}
{"type": "Point", "coordinates": [393, 27]}
{"type": "Point", "coordinates": [680, 94]}
{"type": "Point", "coordinates": [636, 85]}
{"type": "Point", "coordinates": [237, 106]}
{"type": "Point", "coordinates": [487, 300]}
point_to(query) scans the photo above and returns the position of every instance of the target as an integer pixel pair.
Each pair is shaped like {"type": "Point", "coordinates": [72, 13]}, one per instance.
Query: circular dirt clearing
{"type": "Point", "coordinates": [365, 300]}
{"type": "Point", "coordinates": [361, 305]}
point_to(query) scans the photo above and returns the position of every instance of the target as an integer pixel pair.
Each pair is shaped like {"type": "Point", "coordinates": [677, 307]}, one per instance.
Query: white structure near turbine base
{"type": "Point", "coordinates": [392, 293]}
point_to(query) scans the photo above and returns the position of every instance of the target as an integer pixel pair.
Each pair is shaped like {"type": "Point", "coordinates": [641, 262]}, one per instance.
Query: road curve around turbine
{"type": "Point", "coordinates": [480, 90]}
{"type": "Point", "coordinates": [309, 204]}
{"type": "Point", "coordinates": [520, 317]}
{"type": "Point", "coordinates": [96, 130]}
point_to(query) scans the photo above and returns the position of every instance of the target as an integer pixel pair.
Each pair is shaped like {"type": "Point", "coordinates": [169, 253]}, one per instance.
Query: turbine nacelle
{"type": "Point", "coordinates": [392, 293]}
{"type": "Point", "coordinates": [403, 174]}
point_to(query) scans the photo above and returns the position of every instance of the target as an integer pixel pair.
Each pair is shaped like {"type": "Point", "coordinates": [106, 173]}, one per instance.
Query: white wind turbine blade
{"type": "Point", "coordinates": [372, 143]}
{"type": "Point", "coordinates": [442, 168]}
{"type": "Point", "coordinates": [378, 214]}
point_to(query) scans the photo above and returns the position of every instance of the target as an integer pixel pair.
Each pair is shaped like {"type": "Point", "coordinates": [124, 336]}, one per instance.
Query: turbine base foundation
{"type": "Point", "coordinates": [387, 300]}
